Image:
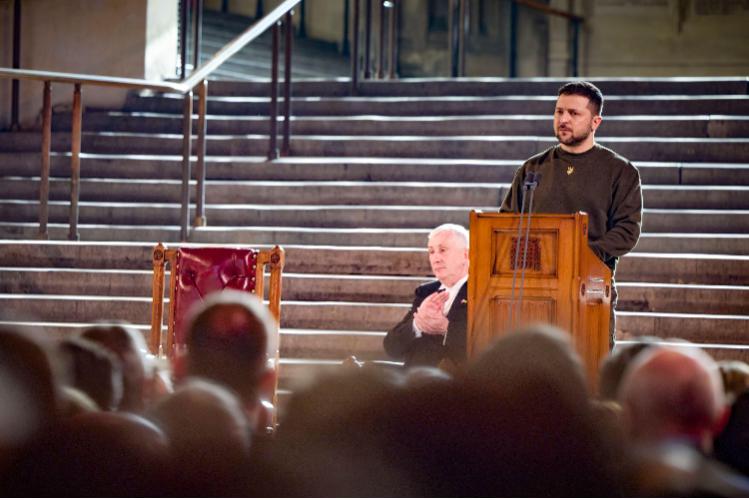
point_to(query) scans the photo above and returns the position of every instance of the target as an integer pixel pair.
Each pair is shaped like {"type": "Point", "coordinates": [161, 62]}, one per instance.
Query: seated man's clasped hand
{"type": "Point", "coordinates": [430, 317]}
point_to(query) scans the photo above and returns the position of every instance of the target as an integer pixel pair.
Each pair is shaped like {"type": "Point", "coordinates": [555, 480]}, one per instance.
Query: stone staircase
{"type": "Point", "coordinates": [369, 177]}
{"type": "Point", "coordinates": [311, 58]}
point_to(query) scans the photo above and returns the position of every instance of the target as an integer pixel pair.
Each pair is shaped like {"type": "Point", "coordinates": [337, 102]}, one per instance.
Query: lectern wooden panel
{"type": "Point", "coordinates": [563, 282]}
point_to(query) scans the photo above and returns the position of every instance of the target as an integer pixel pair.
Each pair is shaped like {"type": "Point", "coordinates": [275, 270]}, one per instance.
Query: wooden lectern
{"type": "Point", "coordinates": [564, 282]}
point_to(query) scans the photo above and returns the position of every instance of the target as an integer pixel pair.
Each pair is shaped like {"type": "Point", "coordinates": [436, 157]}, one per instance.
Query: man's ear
{"type": "Point", "coordinates": [596, 122]}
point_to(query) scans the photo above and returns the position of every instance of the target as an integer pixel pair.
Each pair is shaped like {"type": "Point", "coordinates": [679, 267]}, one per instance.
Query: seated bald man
{"type": "Point", "coordinates": [434, 329]}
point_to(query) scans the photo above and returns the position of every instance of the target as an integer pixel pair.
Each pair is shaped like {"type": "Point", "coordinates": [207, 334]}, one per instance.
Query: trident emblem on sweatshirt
{"type": "Point", "coordinates": [570, 169]}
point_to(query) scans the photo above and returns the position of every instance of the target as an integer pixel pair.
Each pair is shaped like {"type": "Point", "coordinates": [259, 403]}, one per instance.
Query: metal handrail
{"type": "Point", "coordinates": [198, 79]}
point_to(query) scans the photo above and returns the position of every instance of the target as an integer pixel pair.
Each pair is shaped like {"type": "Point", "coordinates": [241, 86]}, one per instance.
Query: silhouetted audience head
{"type": "Point", "coordinates": [519, 425]}
{"type": "Point", "coordinates": [231, 339]}
{"type": "Point", "coordinates": [613, 367]}
{"type": "Point", "coordinates": [74, 402]}
{"type": "Point", "coordinates": [100, 454]}
{"type": "Point", "coordinates": [31, 378]}
{"type": "Point", "coordinates": [209, 437]}
{"type": "Point", "coordinates": [418, 376]}
{"type": "Point", "coordinates": [94, 370]}
{"type": "Point", "coordinates": [130, 348]}
{"type": "Point", "coordinates": [536, 358]}
{"type": "Point", "coordinates": [673, 393]}
{"type": "Point", "coordinates": [333, 440]}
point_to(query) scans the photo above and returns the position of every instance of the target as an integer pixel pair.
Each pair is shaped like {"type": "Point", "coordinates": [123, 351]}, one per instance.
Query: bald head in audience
{"type": "Point", "coordinates": [673, 393]}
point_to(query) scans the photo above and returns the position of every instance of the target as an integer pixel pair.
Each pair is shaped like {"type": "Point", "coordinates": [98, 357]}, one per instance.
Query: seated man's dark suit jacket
{"type": "Point", "coordinates": [401, 342]}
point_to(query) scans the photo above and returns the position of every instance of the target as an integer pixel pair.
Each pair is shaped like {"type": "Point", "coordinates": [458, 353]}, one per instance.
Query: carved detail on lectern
{"type": "Point", "coordinates": [532, 258]}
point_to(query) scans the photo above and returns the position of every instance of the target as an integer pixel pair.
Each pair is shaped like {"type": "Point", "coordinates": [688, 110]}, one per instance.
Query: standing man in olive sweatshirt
{"type": "Point", "coordinates": [579, 175]}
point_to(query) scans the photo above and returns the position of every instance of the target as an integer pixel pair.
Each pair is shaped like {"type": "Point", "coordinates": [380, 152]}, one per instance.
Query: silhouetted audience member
{"type": "Point", "coordinates": [74, 402]}
{"type": "Point", "coordinates": [673, 393]}
{"type": "Point", "coordinates": [674, 404]}
{"type": "Point", "coordinates": [94, 370]}
{"type": "Point", "coordinates": [418, 376]}
{"type": "Point", "coordinates": [731, 446]}
{"type": "Point", "coordinates": [130, 348]}
{"type": "Point", "coordinates": [615, 364]}
{"type": "Point", "coordinates": [100, 454]}
{"type": "Point", "coordinates": [231, 340]}
{"type": "Point", "coordinates": [334, 438]}
{"type": "Point", "coordinates": [209, 438]}
{"type": "Point", "coordinates": [540, 435]}
{"type": "Point", "coordinates": [520, 424]}
{"type": "Point", "coordinates": [30, 390]}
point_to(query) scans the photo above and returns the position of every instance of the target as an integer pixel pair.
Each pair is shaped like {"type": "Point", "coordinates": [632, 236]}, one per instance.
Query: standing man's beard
{"type": "Point", "coordinates": [573, 140]}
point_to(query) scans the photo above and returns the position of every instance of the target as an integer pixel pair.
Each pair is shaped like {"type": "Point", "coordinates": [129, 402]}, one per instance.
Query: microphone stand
{"type": "Point", "coordinates": [529, 188]}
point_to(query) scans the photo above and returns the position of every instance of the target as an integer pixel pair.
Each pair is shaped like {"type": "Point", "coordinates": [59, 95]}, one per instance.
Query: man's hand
{"type": "Point", "coordinates": [429, 317]}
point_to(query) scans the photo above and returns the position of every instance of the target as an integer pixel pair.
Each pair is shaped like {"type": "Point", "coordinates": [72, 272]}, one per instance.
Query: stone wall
{"type": "Point", "coordinates": [124, 38]}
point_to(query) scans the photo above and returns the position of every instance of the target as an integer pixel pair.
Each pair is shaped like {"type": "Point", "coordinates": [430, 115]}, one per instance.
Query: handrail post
{"type": "Point", "coordinates": [75, 162]}
{"type": "Point", "coordinates": [462, 11]}
{"type": "Point", "coordinates": [574, 60]}
{"type": "Point", "coordinates": [452, 39]}
{"type": "Point", "coordinates": [393, 28]}
{"type": "Point", "coordinates": [15, 84]}
{"type": "Point", "coordinates": [285, 146]}
{"type": "Point", "coordinates": [272, 147]}
{"type": "Point", "coordinates": [381, 53]}
{"type": "Point", "coordinates": [355, 51]}
{"type": "Point", "coordinates": [186, 146]}
{"type": "Point", "coordinates": [46, 146]}
{"type": "Point", "coordinates": [183, 38]}
{"type": "Point", "coordinates": [200, 218]}
{"type": "Point", "coordinates": [367, 38]}
{"type": "Point", "coordinates": [512, 60]}
{"type": "Point", "coordinates": [197, 32]}
{"type": "Point", "coordinates": [345, 44]}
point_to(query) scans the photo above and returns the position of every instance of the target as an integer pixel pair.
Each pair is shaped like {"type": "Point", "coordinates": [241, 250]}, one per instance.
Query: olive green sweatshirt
{"type": "Point", "coordinates": [599, 182]}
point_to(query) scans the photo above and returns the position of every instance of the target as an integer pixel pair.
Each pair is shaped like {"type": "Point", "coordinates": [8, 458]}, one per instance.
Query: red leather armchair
{"type": "Point", "coordinates": [198, 271]}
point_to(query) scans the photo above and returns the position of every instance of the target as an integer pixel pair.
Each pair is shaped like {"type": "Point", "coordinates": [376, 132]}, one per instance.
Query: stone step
{"type": "Point", "coordinates": [443, 105]}
{"type": "Point", "coordinates": [370, 317]}
{"type": "Point", "coordinates": [383, 261]}
{"type": "Point", "coordinates": [137, 310]}
{"type": "Point", "coordinates": [347, 193]}
{"type": "Point", "coordinates": [682, 298]}
{"type": "Point", "coordinates": [719, 352]}
{"type": "Point", "coordinates": [351, 169]}
{"type": "Point", "coordinates": [697, 328]}
{"type": "Point", "coordinates": [295, 343]}
{"type": "Point", "coordinates": [703, 243]}
{"type": "Point", "coordinates": [300, 193]}
{"type": "Point", "coordinates": [488, 86]}
{"type": "Point", "coordinates": [633, 296]}
{"type": "Point", "coordinates": [615, 126]}
{"type": "Point", "coordinates": [476, 147]}
{"type": "Point", "coordinates": [338, 216]}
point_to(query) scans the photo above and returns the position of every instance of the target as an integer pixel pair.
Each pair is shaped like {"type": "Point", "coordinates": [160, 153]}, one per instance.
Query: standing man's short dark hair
{"type": "Point", "coordinates": [585, 89]}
